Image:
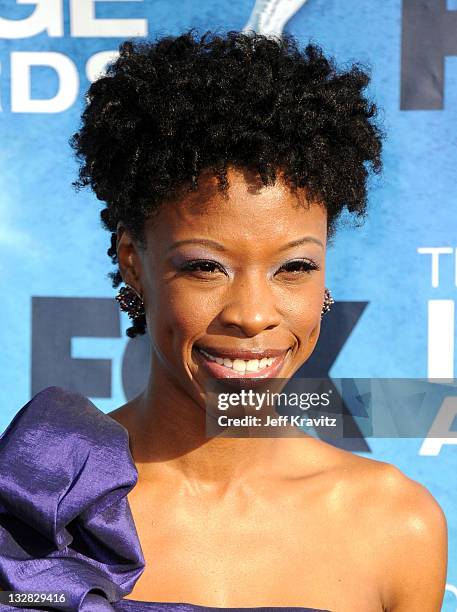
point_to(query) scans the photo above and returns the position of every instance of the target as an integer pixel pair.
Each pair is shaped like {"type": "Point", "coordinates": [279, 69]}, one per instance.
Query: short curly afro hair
{"type": "Point", "coordinates": [167, 109]}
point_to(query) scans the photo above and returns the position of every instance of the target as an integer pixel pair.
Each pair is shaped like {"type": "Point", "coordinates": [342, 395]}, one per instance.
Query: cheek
{"type": "Point", "coordinates": [302, 309]}
{"type": "Point", "coordinates": [303, 319]}
{"type": "Point", "coordinates": [178, 316]}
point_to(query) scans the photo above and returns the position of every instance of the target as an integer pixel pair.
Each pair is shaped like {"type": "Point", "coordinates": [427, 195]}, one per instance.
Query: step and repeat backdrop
{"type": "Point", "coordinates": [394, 279]}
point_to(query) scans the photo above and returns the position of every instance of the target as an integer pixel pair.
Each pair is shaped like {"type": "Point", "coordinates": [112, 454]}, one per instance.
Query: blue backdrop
{"type": "Point", "coordinates": [394, 279]}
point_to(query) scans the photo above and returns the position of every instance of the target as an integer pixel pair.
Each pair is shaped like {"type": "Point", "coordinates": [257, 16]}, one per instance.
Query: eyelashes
{"type": "Point", "coordinates": [207, 267]}
{"type": "Point", "coordinates": [299, 266]}
{"type": "Point", "coordinates": [202, 265]}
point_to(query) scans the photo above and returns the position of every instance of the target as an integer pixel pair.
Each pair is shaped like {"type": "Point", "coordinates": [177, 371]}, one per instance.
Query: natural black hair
{"type": "Point", "coordinates": [167, 109]}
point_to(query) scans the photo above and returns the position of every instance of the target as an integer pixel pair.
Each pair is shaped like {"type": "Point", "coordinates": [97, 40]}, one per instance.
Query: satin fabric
{"type": "Point", "coordinates": [65, 522]}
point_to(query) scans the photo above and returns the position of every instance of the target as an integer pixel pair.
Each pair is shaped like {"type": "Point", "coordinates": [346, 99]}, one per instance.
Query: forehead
{"type": "Point", "coordinates": [248, 211]}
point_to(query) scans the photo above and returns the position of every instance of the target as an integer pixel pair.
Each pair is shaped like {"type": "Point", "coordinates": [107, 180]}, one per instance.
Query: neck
{"type": "Point", "coordinates": [167, 428]}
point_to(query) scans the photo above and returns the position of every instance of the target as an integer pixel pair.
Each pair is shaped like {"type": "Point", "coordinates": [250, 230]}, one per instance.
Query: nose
{"type": "Point", "coordinates": [250, 306]}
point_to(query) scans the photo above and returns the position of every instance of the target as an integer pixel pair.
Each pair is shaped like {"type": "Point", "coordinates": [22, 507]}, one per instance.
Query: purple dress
{"type": "Point", "coordinates": [65, 521]}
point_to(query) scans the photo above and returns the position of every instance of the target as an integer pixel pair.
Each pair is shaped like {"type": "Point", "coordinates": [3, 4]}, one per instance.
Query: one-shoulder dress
{"type": "Point", "coordinates": [65, 522]}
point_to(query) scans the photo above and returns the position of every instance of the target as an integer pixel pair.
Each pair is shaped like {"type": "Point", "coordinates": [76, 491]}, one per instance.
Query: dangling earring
{"type": "Point", "coordinates": [328, 301]}
{"type": "Point", "coordinates": [130, 301]}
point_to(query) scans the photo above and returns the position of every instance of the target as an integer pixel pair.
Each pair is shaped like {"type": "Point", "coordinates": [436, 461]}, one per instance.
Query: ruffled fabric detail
{"type": "Point", "coordinates": [65, 522]}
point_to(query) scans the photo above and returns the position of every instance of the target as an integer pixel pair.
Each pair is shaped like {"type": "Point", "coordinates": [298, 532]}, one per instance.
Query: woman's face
{"type": "Point", "coordinates": [240, 277]}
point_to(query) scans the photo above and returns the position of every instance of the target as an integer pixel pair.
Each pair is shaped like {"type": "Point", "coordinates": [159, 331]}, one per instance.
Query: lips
{"type": "Point", "coordinates": [239, 363]}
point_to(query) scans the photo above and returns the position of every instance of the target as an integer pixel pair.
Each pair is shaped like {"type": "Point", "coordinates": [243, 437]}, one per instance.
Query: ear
{"type": "Point", "coordinates": [128, 258]}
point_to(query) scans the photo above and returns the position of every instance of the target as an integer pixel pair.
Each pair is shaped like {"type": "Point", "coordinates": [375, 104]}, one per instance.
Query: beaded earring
{"type": "Point", "coordinates": [130, 301]}
{"type": "Point", "coordinates": [328, 301]}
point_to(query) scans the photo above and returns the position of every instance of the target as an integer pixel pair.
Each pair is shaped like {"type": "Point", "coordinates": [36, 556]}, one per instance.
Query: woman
{"type": "Point", "coordinates": [224, 162]}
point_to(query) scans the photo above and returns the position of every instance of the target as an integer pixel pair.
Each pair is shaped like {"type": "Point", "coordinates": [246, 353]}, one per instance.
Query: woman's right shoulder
{"type": "Point", "coordinates": [65, 472]}
{"type": "Point", "coordinates": [54, 406]}
{"type": "Point", "coordinates": [56, 424]}
{"type": "Point", "coordinates": [51, 437]}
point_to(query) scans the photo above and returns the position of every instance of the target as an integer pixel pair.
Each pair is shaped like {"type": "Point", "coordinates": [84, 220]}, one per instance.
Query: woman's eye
{"type": "Point", "coordinates": [202, 265]}
{"type": "Point", "coordinates": [299, 266]}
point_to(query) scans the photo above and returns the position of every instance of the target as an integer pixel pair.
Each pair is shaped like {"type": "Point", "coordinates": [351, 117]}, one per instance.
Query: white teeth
{"type": "Point", "coordinates": [241, 365]}
{"type": "Point", "coordinates": [252, 365]}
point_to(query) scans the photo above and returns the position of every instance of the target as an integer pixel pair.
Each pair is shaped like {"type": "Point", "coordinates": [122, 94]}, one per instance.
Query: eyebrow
{"type": "Point", "coordinates": [300, 241]}
{"type": "Point", "coordinates": [220, 247]}
{"type": "Point", "coordinates": [212, 243]}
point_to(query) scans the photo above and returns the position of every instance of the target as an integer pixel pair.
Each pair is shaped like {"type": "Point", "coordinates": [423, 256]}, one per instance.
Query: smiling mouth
{"type": "Point", "coordinates": [267, 364]}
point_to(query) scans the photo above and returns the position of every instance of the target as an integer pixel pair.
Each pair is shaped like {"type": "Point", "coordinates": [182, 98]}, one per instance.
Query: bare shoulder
{"type": "Point", "coordinates": [407, 529]}
{"type": "Point", "coordinates": [125, 414]}
{"type": "Point", "coordinates": [393, 494]}
{"type": "Point", "coordinates": [388, 486]}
